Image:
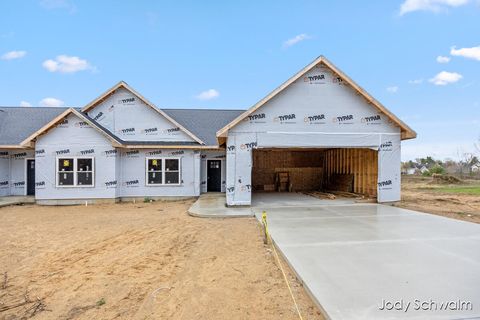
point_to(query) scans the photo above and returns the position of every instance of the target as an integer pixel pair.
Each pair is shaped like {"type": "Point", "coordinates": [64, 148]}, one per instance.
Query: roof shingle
{"type": "Point", "coordinates": [18, 123]}
{"type": "Point", "coordinates": [204, 123]}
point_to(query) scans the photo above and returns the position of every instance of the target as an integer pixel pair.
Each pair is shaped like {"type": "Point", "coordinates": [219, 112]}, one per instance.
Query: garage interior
{"type": "Point", "coordinates": [351, 170]}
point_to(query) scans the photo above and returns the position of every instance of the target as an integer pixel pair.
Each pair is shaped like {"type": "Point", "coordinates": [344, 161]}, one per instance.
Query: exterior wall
{"type": "Point", "coordinates": [72, 138]}
{"type": "Point", "coordinates": [212, 155]}
{"type": "Point", "coordinates": [318, 110]}
{"type": "Point", "coordinates": [239, 168]}
{"type": "Point", "coordinates": [13, 171]}
{"type": "Point", "coordinates": [18, 179]}
{"type": "Point", "coordinates": [118, 172]}
{"type": "Point", "coordinates": [4, 173]}
{"type": "Point", "coordinates": [131, 119]}
{"type": "Point", "coordinates": [389, 175]}
{"type": "Point", "coordinates": [133, 173]}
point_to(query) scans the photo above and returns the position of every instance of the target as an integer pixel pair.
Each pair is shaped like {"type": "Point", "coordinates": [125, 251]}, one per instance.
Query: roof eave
{"type": "Point", "coordinates": [160, 146]}
{"type": "Point", "coordinates": [406, 135]}
{"type": "Point", "coordinates": [14, 146]}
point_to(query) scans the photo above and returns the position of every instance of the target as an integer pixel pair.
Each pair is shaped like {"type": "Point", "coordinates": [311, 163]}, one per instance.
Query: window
{"type": "Point", "coordinates": [85, 172]}
{"type": "Point", "coordinates": [163, 171]}
{"type": "Point", "coordinates": [75, 172]}
{"type": "Point", "coordinates": [65, 172]}
{"type": "Point", "coordinates": [172, 172]}
{"type": "Point", "coordinates": [155, 171]}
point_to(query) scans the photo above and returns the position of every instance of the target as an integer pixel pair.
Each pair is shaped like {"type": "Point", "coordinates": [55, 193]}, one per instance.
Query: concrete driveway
{"type": "Point", "coordinates": [355, 258]}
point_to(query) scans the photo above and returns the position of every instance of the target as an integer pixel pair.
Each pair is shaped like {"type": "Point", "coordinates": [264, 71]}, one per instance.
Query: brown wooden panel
{"type": "Point", "coordinates": [313, 169]}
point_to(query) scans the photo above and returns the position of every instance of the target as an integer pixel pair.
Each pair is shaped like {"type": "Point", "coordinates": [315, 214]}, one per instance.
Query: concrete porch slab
{"type": "Point", "coordinates": [13, 200]}
{"type": "Point", "coordinates": [212, 205]}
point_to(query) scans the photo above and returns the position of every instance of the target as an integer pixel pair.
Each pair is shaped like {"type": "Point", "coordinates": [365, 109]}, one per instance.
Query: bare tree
{"type": "Point", "coordinates": [477, 144]}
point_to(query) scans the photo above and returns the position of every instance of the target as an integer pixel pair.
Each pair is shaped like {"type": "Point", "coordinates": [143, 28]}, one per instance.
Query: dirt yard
{"type": "Point", "coordinates": [458, 201]}
{"type": "Point", "coordinates": [139, 261]}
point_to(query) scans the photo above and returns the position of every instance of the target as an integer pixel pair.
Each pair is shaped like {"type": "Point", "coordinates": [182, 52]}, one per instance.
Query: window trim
{"type": "Point", "coordinates": [75, 172]}
{"type": "Point", "coordinates": [163, 184]}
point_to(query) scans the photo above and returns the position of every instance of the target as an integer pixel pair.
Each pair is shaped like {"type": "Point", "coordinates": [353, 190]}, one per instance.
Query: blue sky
{"type": "Point", "coordinates": [420, 58]}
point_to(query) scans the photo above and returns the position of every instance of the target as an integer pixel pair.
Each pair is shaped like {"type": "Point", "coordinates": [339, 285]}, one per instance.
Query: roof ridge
{"type": "Point", "coordinates": [199, 109]}
{"type": "Point", "coordinates": [32, 107]}
{"type": "Point", "coordinates": [196, 109]}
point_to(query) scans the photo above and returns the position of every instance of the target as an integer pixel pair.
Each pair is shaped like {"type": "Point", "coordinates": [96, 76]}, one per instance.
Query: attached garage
{"type": "Point", "coordinates": [309, 169]}
{"type": "Point", "coordinates": [317, 131]}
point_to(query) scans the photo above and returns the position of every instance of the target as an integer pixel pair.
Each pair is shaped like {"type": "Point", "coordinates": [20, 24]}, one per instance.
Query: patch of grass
{"type": "Point", "coordinates": [100, 302]}
{"type": "Point", "coordinates": [471, 190]}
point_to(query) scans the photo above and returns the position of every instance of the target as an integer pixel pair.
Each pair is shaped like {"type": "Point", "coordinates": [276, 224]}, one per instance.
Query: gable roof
{"type": "Point", "coordinates": [204, 123]}
{"type": "Point", "coordinates": [28, 141]}
{"type": "Point", "coordinates": [142, 143]}
{"type": "Point", "coordinates": [123, 84]}
{"type": "Point", "coordinates": [17, 123]}
{"type": "Point", "coordinates": [406, 131]}
{"type": "Point", "coordinates": [208, 127]}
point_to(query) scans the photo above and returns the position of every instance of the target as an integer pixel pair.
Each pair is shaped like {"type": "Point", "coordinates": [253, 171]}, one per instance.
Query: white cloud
{"type": "Point", "coordinates": [51, 102]}
{"type": "Point", "coordinates": [208, 95]}
{"type": "Point", "coordinates": [67, 64]}
{"type": "Point", "coordinates": [25, 104]}
{"type": "Point", "coordinates": [416, 81]}
{"type": "Point", "coordinates": [429, 5]}
{"type": "Point", "coordinates": [442, 59]}
{"type": "Point", "coordinates": [443, 78]}
{"type": "Point", "coordinates": [470, 53]}
{"type": "Point", "coordinates": [392, 89]}
{"type": "Point", "coordinates": [59, 4]}
{"type": "Point", "coordinates": [296, 39]}
{"type": "Point", "coordinates": [13, 55]}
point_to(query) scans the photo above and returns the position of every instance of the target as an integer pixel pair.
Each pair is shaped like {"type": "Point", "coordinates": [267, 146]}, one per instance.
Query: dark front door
{"type": "Point", "coordinates": [214, 175]}
{"type": "Point", "coordinates": [30, 177]}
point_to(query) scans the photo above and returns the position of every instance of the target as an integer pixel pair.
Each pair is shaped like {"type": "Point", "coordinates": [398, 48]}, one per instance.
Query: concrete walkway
{"type": "Point", "coordinates": [354, 258]}
{"type": "Point", "coordinates": [13, 200]}
{"type": "Point", "coordinates": [212, 205]}
{"type": "Point", "coordinates": [293, 199]}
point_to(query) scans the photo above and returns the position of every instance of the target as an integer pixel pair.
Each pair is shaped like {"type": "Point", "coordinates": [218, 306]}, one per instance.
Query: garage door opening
{"type": "Point", "coordinates": [351, 170]}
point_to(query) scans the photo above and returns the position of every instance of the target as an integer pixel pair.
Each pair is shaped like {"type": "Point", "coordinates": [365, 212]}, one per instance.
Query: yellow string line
{"type": "Point", "coordinates": [267, 234]}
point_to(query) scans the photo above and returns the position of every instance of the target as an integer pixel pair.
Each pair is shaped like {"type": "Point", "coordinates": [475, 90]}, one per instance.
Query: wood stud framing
{"type": "Point", "coordinates": [362, 163]}
{"type": "Point", "coordinates": [319, 164]}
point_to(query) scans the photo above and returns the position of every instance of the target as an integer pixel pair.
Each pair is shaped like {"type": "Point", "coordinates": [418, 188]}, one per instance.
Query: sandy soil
{"type": "Point", "coordinates": [140, 261]}
{"type": "Point", "coordinates": [421, 195]}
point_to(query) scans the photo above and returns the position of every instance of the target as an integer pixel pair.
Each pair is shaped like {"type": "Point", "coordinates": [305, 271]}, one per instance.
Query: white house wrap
{"type": "Point", "coordinates": [121, 146]}
{"type": "Point", "coordinates": [317, 110]}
